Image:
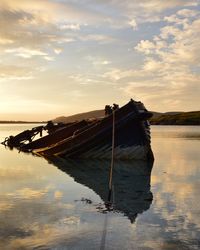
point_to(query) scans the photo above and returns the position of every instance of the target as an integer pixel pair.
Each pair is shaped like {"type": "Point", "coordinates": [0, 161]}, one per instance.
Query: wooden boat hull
{"type": "Point", "coordinates": [55, 137]}
{"type": "Point", "coordinates": [132, 138]}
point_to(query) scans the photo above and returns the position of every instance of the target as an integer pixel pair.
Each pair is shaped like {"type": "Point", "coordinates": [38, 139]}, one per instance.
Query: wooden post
{"type": "Point", "coordinates": [112, 158]}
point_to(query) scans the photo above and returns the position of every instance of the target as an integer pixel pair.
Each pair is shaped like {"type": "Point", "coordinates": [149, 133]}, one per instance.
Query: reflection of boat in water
{"type": "Point", "coordinates": [131, 180]}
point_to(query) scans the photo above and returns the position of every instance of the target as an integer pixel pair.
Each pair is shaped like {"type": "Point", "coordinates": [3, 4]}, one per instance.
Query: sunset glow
{"type": "Point", "coordinates": [61, 57]}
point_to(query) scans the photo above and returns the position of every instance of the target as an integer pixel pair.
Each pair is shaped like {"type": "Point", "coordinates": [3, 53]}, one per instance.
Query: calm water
{"type": "Point", "coordinates": [56, 204]}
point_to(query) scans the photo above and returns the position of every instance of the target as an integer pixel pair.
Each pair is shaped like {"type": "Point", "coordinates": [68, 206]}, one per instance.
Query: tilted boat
{"type": "Point", "coordinates": [93, 138]}
{"type": "Point", "coordinates": [52, 138]}
{"type": "Point", "coordinates": [132, 137]}
{"type": "Point", "coordinates": [57, 132]}
{"type": "Point", "coordinates": [131, 180]}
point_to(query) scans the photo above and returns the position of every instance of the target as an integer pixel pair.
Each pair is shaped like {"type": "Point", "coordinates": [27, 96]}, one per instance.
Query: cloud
{"type": "Point", "coordinates": [187, 12]}
{"type": "Point", "coordinates": [70, 26]}
{"type": "Point", "coordinates": [38, 24]}
{"type": "Point", "coordinates": [25, 53]}
{"type": "Point", "coordinates": [100, 38]}
{"type": "Point", "coordinates": [15, 72]}
{"type": "Point", "coordinates": [145, 46]}
{"type": "Point", "coordinates": [27, 35]}
{"type": "Point", "coordinates": [169, 74]}
{"type": "Point", "coordinates": [118, 74]}
{"type": "Point", "coordinates": [58, 50]}
{"type": "Point", "coordinates": [5, 41]}
{"type": "Point", "coordinates": [98, 61]}
{"type": "Point", "coordinates": [53, 11]}
{"type": "Point", "coordinates": [59, 35]}
{"type": "Point", "coordinates": [157, 5]}
{"type": "Point", "coordinates": [28, 29]}
{"type": "Point", "coordinates": [145, 11]}
{"type": "Point", "coordinates": [133, 24]}
{"type": "Point", "coordinates": [35, 30]}
{"type": "Point", "coordinates": [172, 93]}
{"type": "Point", "coordinates": [176, 43]}
{"type": "Point", "coordinates": [49, 58]}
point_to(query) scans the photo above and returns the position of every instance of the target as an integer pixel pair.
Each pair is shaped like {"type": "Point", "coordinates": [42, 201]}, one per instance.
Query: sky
{"type": "Point", "coordinates": [61, 57]}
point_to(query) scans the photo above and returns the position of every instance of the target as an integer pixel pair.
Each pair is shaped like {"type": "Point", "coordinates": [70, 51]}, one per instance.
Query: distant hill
{"type": "Point", "coordinates": [168, 118]}
{"type": "Point", "coordinates": [182, 118]}
{"type": "Point", "coordinates": [78, 117]}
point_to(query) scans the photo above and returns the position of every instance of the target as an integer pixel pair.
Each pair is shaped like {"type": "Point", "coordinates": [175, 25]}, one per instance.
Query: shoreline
{"type": "Point", "coordinates": [152, 124]}
{"type": "Point", "coordinates": [20, 122]}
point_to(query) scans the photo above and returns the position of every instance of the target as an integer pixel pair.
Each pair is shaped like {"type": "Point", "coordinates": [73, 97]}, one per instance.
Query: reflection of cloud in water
{"type": "Point", "coordinates": [70, 220]}
{"type": "Point", "coordinates": [5, 206]}
{"type": "Point", "coordinates": [54, 220]}
{"type": "Point", "coordinates": [58, 194]}
{"type": "Point", "coordinates": [175, 183]}
{"type": "Point", "coordinates": [27, 193]}
{"type": "Point", "coordinates": [131, 182]}
{"type": "Point", "coordinates": [181, 132]}
{"type": "Point", "coordinates": [37, 223]}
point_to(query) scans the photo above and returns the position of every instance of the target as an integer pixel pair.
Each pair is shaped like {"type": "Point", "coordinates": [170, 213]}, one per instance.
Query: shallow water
{"type": "Point", "coordinates": [56, 204]}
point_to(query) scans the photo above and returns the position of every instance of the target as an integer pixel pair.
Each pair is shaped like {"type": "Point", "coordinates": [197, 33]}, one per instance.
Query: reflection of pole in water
{"type": "Point", "coordinates": [103, 238]}
{"type": "Point", "coordinates": [109, 207]}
